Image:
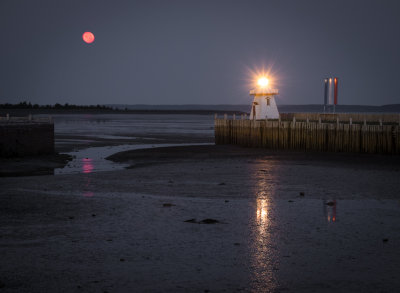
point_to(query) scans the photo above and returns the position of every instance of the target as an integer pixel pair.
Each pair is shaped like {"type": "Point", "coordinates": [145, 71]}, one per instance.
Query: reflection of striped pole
{"type": "Point", "coordinates": [336, 90]}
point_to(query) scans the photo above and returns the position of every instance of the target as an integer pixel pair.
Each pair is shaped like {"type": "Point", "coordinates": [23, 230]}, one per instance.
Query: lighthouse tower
{"type": "Point", "coordinates": [264, 106]}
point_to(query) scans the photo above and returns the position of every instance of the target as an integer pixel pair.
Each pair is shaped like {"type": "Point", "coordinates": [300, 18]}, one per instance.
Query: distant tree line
{"type": "Point", "coordinates": [102, 108]}
{"type": "Point", "coordinates": [29, 105]}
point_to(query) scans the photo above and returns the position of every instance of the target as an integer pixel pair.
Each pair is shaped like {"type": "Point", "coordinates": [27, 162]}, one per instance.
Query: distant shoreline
{"type": "Point", "coordinates": [26, 112]}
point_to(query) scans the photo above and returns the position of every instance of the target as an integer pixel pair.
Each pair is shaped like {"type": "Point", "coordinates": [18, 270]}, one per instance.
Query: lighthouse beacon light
{"type": "Point", "coordinates": [263, 81]}
{"type": "Point", "coordinates": [264, 105]}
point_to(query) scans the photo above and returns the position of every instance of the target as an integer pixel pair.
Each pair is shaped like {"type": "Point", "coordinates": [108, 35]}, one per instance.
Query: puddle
{"type": "Point", "coordinates": [93, 159]}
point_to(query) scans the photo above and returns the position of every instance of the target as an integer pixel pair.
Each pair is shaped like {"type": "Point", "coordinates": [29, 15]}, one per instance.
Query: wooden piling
{"type": "Point", "coordinates": [335, 136]}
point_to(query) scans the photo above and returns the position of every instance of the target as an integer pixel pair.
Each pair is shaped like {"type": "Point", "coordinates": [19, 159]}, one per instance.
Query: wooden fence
{"type": "Point", "coordinates": [342, 117]}
{"type": "Point", "coordinates": [310, 136]}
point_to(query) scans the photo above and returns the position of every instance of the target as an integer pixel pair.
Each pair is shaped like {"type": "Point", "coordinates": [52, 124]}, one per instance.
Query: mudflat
{"type": "Point", "coordinates": [206, 219]}
{"type": "Point", "coordinates": [32, 165]}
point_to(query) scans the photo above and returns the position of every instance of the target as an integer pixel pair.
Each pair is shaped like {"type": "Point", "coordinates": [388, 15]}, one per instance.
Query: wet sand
{"type": "Point", "coordinates": [287, 222]}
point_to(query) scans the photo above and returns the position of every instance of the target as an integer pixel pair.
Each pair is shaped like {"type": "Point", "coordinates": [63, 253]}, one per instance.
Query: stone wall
{"type": "Point", "coordinates": [26, 139]}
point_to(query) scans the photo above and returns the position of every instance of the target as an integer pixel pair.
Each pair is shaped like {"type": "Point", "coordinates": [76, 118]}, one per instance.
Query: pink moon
{"type": "Point", "coordinates": [88, 37]}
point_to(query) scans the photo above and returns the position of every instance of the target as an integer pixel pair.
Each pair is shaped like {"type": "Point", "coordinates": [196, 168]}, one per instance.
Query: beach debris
{"type": "Point", "coordinates": [384, 240]}
{"type": "Point", "coordinates": [290, 200]}
{"type": "Point", "coordinates": [122, 259]}
{"type": "Point", "coordinates": [71, 218]}
{"type": "Point", "coordinates": [222, 183]}
{"type": "Point", "coordinates": [330, 203]}
{"type": "Point", "coordinates": [226, 200]}
{"type": "Point", "coordinates": [236, 243]}
{"type": "Point", "coordinates": [2, 285]}
{"type": "Point", "coordinates": [190, 221]}
{"type": "Point", "coordinates": [301, 193]}
{"type": "Point", "coordinates": [170, 181]}
{"type": "Point", "coordinates": [167, 205]}
{"type": "Point", "coordinates": [93, 215]}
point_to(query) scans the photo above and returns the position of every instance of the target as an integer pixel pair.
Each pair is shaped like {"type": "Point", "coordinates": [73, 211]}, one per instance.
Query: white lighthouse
{"type": "Point", "coordinates": [264, 106]}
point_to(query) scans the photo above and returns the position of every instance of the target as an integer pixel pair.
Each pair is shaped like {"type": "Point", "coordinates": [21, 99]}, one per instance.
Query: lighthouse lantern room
{"type": "Point", "coordinates": [264, 105]}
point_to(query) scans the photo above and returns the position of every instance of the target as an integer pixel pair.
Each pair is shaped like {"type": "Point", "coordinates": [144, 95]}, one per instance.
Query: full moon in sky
{"type": "Point", "coordinates": [88, 37]}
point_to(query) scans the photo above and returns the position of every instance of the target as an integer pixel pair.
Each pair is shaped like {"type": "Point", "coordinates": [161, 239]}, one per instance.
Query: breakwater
{"type": "Point", "coordinates": [26, 136]}
{"type": "Point", "coordinates": [334, 136]}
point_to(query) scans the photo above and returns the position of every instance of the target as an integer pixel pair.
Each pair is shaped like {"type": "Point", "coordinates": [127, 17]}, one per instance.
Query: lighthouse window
{"type": "Point", "coordinates": [268, 102]}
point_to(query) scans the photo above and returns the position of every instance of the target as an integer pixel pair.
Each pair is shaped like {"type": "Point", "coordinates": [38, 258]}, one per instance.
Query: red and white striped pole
{"type": "Point", "coordinates": [335, 81]}
{"type": "Point", "coordinates": [336, 90]}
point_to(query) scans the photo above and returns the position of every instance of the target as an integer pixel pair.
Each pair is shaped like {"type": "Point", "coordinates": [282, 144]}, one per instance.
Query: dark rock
{"type": "Point", "coordinates": [2, 285]}
{"type": "Point", "coordinates": [385, 239]}
{"type": "Point", "coordinates": [209, 221]}
{"type": "Point", "coordinates": [330, 203]}
{"type": "Point", "coordinates": [121, 259]}
{"type": "Point", "coordinates": [93, 215]}
{"type": "Point", "coordinates": [290, 200]}
{"type": "Point", "coordinates": [71, 218]}
{"type": "Point", "coordinates": [167, 205]}
{"type": "Point", "coordinates": [205, 221]}
{"type": "Point", "coordinates": [301, 193]}
{"type": "Point", "coordinates": [236, 243]}
{"type": "Point", "coordinates": [222, 183]}
{"type": "Point", "coordinates": [226, 200]}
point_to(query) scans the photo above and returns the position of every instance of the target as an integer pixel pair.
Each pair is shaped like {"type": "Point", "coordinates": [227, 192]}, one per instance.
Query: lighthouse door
{"type": "Point", "coordinates": [253, 114]}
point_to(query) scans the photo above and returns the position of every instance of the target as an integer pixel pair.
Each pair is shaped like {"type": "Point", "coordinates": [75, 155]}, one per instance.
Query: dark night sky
{"type": "Point", "coordinates": [197, 52]}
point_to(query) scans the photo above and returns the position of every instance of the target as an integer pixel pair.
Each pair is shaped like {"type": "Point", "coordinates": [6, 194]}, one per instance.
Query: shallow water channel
{"type": "Point", "coordinates": [93, 159]}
